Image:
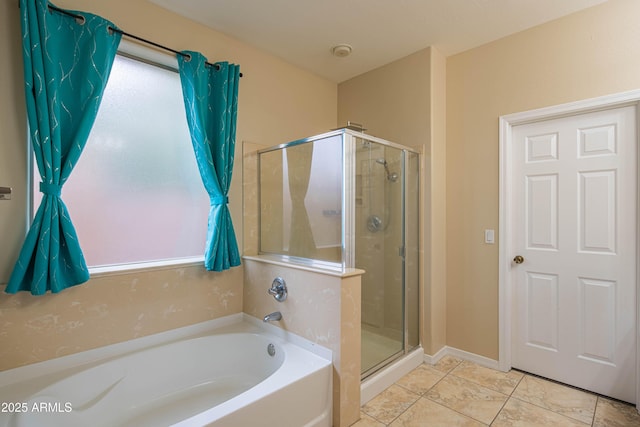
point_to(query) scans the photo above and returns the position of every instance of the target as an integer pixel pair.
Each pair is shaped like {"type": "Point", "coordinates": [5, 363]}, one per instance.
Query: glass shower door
{"type": "Point", "coordinates": [379, 251]}
{"type": "Point", "coordinates": [345, 199]}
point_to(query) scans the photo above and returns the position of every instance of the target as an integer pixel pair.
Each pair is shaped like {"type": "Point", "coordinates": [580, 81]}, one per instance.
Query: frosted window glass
{"type": "Point", "coordinates": [136, 194]}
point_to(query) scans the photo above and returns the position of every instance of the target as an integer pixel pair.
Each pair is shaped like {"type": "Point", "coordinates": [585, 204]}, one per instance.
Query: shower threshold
{"type": "Point", "coordinates": [375, 368]}
{"type": "Point", "coordinates": [382, 376]}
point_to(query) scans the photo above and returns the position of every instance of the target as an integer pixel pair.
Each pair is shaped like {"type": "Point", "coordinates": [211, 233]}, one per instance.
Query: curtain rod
{"type": "Point", "coordinates": [133, 36]}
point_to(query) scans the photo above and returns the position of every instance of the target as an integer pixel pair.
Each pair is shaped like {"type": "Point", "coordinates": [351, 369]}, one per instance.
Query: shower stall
{"type": "Point", "coordinates": [342, 200]}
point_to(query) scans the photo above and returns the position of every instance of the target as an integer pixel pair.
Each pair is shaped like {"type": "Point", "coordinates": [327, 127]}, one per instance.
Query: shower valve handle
{"type": "Point", "coordinates": [278, 289]}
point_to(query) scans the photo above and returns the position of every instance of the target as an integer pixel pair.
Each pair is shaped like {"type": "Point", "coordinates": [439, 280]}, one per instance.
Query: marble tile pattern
{"type": "Point", "coordinates": [558, 398]}
{"type": "Point", "coordinates": [454, 392]}
{"type": "Point", "coordinates": [250, 197]}
{"type": "Point", "coordinates": [113, 308]}
{"type": "Point", "coordinates": [323, 308]}
{"type": "Point", "coordinates": [468, 398]}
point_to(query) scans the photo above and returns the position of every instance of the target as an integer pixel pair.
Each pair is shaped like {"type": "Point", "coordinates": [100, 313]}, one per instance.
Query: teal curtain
{"type": "Point", "coordinates": [66, 66]}
{"type": "Point", "coordinates": [211, 102]}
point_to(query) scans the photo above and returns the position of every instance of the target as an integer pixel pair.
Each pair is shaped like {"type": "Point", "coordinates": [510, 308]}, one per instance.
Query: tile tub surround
{"type": "Point", "coordinates": [460, 393]}
{"type": "Point", "coordinates": [113, 308]}
{"type": "Point", "coordinates": [324, 307]}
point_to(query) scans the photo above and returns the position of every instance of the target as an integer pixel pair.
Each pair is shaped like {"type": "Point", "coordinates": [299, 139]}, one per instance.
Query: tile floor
{"type": "Point", "coordinates": [460, 393]}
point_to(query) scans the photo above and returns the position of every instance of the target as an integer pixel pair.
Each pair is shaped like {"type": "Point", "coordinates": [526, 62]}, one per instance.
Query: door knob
{"type": "Point", "coordinates": [519, 259]}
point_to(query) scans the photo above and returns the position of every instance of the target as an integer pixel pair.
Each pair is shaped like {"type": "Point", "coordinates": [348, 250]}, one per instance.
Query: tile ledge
{"type": "Point", "coordinates": [269, 259]}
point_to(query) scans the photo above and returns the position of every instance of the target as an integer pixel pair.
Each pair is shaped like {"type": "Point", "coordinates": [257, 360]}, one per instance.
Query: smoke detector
{"type": "Point", "coordinates": [341, 50]}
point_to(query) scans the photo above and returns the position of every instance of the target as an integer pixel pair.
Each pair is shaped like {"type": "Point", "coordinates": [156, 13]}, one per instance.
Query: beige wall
{"type": "Point", "coordinates": [277, 103]}
{"type": "Point", "coordinates": [584, 55]}
{"type": "Point", "coordinates": [12, 138]}
{"type": "Point", "coordinates": [391, 102]}
{"type": "Point", "coordinates": [435, 208]}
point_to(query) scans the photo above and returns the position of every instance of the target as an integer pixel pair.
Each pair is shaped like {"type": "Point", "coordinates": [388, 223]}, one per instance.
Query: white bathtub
{"type": "Point", "coordinates": [215, 374]}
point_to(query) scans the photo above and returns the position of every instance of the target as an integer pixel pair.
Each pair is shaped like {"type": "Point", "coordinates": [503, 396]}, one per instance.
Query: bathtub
{"type": "Point", "coordinates": [228, 372]}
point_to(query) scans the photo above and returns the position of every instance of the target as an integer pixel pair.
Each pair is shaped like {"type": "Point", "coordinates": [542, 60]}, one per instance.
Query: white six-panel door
{"type": "Point", "coordinates": [574, 225]}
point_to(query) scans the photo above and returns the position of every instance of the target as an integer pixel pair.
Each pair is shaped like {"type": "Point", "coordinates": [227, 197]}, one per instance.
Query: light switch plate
{"type": "Point", "coordinates": [489, 236]}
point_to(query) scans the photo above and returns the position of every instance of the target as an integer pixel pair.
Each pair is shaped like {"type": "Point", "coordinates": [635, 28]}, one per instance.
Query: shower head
{"type": "Point", "coordinates": [391, 176]}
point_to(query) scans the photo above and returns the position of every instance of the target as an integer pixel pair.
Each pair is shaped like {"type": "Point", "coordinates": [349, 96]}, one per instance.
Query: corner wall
{"type": "Point", "coordinates": [404, 102]}
{"type": "Point", "coordinates": [436, 220]}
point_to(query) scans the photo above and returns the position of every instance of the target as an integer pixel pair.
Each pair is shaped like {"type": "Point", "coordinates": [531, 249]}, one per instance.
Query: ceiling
{"type": "Point", "coordinates": [302, 32]}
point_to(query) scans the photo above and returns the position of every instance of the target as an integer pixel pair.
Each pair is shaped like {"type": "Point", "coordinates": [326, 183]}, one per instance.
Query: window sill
{"type": "Point", "coordinates": [111, 270]}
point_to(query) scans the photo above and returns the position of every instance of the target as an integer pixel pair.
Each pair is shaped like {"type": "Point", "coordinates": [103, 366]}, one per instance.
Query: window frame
{"type": "Point", "coordinates": [151, 57]}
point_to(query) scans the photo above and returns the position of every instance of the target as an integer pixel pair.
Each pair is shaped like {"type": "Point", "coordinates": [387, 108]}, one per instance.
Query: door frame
{"type": "Point", "coordinates": [506, 274]}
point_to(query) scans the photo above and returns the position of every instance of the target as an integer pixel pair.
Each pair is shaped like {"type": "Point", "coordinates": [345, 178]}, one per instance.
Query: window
{"type": "Point", "coordinates": [136, 196]}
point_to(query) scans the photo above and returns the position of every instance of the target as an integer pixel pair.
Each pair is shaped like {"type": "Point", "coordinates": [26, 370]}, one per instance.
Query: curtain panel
{"type": "Point", "coordinates": [66, 67]}
{"type": "Point", "coordinates": [211, 102]}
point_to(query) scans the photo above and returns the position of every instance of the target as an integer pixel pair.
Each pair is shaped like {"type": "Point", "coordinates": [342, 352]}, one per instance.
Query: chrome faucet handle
{"type": "Point", "coordinates": [278, 289]}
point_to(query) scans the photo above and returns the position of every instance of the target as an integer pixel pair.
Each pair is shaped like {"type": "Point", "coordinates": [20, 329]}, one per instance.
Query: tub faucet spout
{"type": "Point", "coordinates": [276, 315]}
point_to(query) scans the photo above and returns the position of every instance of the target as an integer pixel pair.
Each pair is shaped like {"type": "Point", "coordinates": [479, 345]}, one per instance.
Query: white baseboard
{"type": "Point", "coordinates": [432, 360]}
{"type": "Point", "coordinates": [461, 354]}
